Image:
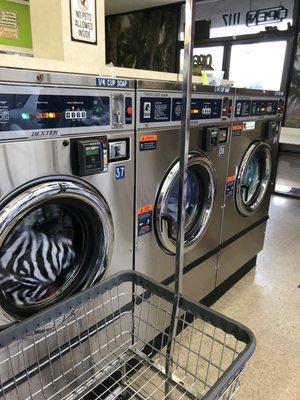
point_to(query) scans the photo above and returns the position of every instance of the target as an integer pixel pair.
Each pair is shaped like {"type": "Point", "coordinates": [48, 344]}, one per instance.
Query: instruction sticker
{"type": "Point", "coordinates": [249, 126]}
{"type": "Point", "coordinates": [148, 142]}
{"type": "Point", "coordinates": [144, 219]}
{"type": "Point", "coordinates": [230, 186]}
{"type": "Point", "coordinates": [155, 109]}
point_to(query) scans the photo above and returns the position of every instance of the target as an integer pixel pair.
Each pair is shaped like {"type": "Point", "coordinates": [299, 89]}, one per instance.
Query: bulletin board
{"type": "Point", "coordinates": [15, 26]}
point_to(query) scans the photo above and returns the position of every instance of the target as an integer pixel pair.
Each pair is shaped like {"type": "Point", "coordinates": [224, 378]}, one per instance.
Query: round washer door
{"type": "Point", "coordinates": [201, 187]}
{"type": "Point", "coordinates": [56, 238]}
{"type": "Point", "coordinates": [253, 178]}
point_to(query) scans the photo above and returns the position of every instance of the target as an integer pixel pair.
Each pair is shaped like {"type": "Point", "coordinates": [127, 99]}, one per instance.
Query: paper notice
{"type": "Point", "coordinates": [8, 24]}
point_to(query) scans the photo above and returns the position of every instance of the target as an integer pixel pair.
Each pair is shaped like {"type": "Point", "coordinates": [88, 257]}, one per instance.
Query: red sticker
{"type": "Point", "coordinates": [238, 127]}
{"type": "Point", "coordinates": [148, 138]}
{"type": "Point", "coordinates": [230, 179]}
{"type": "Point", "coordinates": [145, 209]}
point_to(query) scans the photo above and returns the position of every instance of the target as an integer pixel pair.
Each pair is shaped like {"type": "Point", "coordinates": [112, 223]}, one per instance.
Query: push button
{"type": "Point", "coordinates": [129, 110]}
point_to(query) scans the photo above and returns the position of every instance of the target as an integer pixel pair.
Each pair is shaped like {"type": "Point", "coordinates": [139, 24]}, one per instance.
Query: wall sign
{"type": "Point", "coordinates": [83, 21]}
{"type": "Point", "coordinates": [8, 24]}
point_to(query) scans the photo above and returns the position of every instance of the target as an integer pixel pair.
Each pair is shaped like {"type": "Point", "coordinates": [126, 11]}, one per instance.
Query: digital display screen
{"type": "Point", "coordinates": [254, 108]}
{"type": "Point", "coordinates": [264, 107]}
{"type": "Point", "coordinates": [43, 111]}
{"type": "Point", "coordinates": [92, 152]}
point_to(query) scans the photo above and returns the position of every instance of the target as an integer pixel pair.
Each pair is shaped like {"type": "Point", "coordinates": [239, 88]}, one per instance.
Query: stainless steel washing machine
{"type": "Point", "coordinates": [250, 177]}
{"type": "Point", "coordinates": [157, 165]}
{"type": "Point", "coordinates": [66, 188]}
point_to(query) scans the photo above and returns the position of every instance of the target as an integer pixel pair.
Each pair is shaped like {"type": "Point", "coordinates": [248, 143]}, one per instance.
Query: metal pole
{"type": "Point", "coordinates": [184, 152]}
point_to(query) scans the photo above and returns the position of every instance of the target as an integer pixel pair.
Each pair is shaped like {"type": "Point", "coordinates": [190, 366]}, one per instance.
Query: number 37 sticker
{"type": "Point", "coordinates": [120, 172]}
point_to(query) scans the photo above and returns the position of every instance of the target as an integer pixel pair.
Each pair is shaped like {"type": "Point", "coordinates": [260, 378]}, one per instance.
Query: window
{"type": "Point", "coordinates": [216, 52]}
{"type": "Point", "coordinates": [236, 30]}
{"type": "Point", "coordinates": [258, 65]}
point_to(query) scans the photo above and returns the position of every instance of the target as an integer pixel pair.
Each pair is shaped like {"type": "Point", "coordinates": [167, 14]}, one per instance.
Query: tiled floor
{"type": "Point", "coordinates": [267, 300]}
{"type": "Point", "coordinates": [288, 176]}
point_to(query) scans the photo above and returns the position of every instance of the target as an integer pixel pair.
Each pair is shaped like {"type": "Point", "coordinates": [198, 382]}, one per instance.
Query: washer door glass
{"type": "Point", "coordinates": [199, 203]}
{"type": "Point", "coordinates": [49, 252]}
{"type": "Point", "coordinates": [194, 200]}
{"type": "Point", "coordinates": [253, 178]}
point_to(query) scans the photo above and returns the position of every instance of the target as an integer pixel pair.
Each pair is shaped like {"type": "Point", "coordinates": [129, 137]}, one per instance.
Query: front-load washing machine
{"type": "Point", "coordinates": [250, 177]}
{"type": "Point", "coordinates": [157, 168]}
{"type": "Point", "coordinates": [66, 191]}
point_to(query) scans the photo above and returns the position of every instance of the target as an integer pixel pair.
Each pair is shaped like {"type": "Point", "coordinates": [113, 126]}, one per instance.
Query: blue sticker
{"type": "Point", "coordinates": [229, 189]}
{"type": "Point", "coordinates": [120, 172]}
{"type": "Point", "coordinates": [112, 82]}
{"type": "Point", "coordinates": [151, 145]}
{"type": "Point", "coordinates": [221, 89]}
{"type": "Point", "coordinates": [221, 150]}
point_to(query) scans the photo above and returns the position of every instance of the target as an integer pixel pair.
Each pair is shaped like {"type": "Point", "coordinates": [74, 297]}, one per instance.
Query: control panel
{"type": "Point", "coordinates": [257, 107]}
{"type": "Point", "coordinates": [165, 108]}
{"type": "Point", "coordinates": [204, 108]}
{"type": "Point", "coordinates": [264, 107]}
{"type": "Point", "coordinates": [40, 111]}
{"type": "Point", "coordinates": [89, 156]}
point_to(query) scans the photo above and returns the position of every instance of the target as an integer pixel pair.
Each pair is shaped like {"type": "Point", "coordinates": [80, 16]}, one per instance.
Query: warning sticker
{"type": "Point", "coordinates": [144, 219]}
{"type": "Point", "coordinates": [230, 186]}
{"type": "Point", "coordinates": [148, 142]}
{"type": "Point", "coordinates": [237, 129]}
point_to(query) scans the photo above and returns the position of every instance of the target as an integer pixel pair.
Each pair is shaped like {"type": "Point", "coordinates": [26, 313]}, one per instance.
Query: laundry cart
{"type": "Point", "coordinates": [105, 353]}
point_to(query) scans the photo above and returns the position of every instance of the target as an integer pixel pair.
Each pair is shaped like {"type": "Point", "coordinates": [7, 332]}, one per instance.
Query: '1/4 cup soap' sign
{"type": "Point", "coordinates": [83, 21]}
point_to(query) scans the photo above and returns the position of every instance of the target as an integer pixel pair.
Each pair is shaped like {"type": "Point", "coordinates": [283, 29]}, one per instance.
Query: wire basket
{"type": "Point", "coordinates": [110, 342]}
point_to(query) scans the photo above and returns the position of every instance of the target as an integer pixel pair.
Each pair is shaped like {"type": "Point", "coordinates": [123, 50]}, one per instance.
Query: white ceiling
{"type": "Point", "coordinates": [121, 6]}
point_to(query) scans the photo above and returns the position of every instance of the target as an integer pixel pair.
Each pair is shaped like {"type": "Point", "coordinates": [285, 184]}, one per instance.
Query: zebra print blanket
{"type": "Point", "coordinates": [33, 265]}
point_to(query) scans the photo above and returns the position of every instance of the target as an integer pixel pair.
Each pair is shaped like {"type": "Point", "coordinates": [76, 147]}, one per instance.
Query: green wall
{"type": "Point", "coordinates": [20, 13]}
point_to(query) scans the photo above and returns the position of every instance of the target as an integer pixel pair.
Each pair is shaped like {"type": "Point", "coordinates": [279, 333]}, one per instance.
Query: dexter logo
{"type": "Point", "coordinates": [45, 133]}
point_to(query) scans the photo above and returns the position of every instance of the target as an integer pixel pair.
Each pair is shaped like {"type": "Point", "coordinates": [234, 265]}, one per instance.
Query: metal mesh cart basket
{"type": "Point", "coordinates": [110, 342]}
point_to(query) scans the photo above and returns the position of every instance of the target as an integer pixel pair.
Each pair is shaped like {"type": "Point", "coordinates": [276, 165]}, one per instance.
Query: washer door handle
{"type": "Point", "coordinates": [166, 225]}
{"type": "Point", "coordinates": [246, 189]}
